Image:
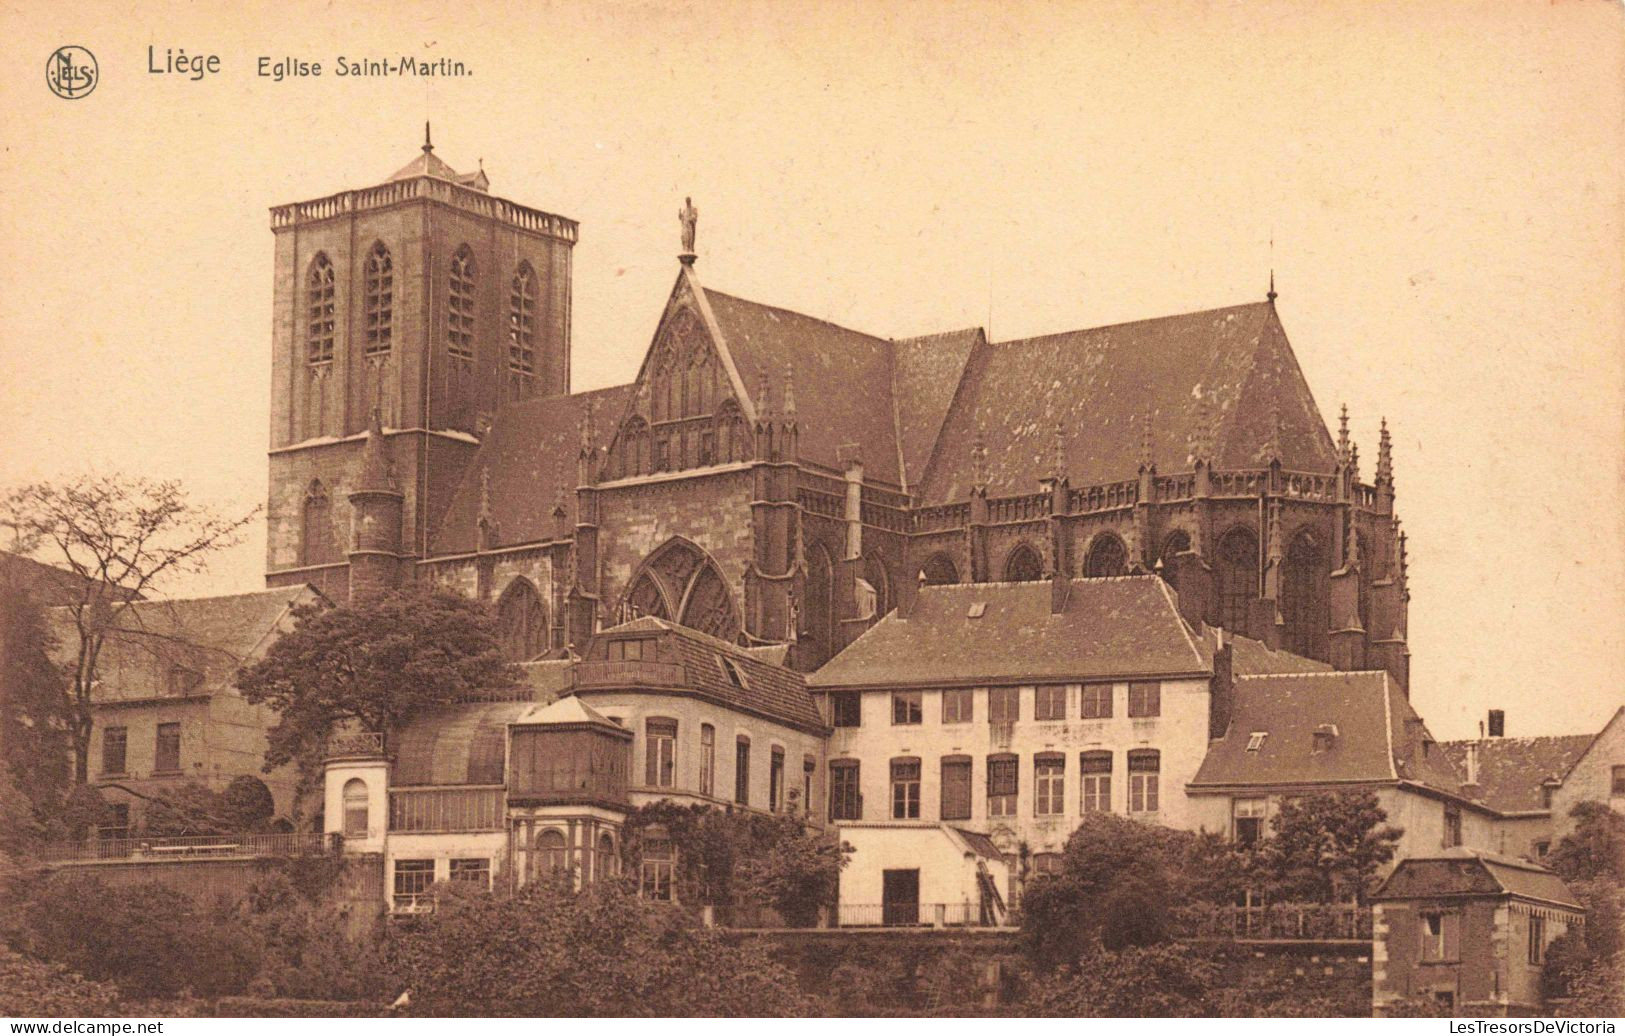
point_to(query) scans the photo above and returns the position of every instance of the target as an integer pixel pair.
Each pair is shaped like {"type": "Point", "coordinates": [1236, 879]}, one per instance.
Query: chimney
{"type": "Point", "coordinates": [1498, 723]}
{"type": "Point", "coordinates": [908, 591]}
{"type": "Point", "coordinates": [1060, 587]}
{"type": "Point", "coordinates": [1472, 764]}
{"type": "Point", "coordinates": [1221, 690]}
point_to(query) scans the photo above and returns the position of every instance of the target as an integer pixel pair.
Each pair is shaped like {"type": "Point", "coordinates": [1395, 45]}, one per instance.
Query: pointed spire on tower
{"type": "Point", "coordinates": [1275, 551]}
{"type": "Point", "coordinates": [789, 394]}
{"type": "Point", "coordinates": [764, 397]}
{"type": "Point", "coordinates": [1270, 296]}
{"type": "Point", "coordinates": [1343, 435]}
{"type": "Point", "coordinates": [428, 145]}
{"type": "Point", "coordinates": [1385, 456]}
{"type": "Point", "coordinates": [1354, 461]}
{"type": "Point", "coordinates": [376, 472]}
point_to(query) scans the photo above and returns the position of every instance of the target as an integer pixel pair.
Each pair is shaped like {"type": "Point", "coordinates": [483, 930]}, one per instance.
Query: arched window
{"type": "Point", "coordinates": [1305, 604]}
{"type": "Point", "coordinates": [1107, 557]}
{"type": "Point", "coordinates": [1237, 576]}
{"type": "Point", "coordinates": [319, 311]}
{"type": "Point", "coordinates": [1177, 543]}
{"type": "Point", "coordinates": [709, 605]}
{"type": "Point", "coordinates": [460, 305]}
{"type": "Point", "coordinates": [555, 854]}
{"type": "Point", "coordinates": [876, 574]}
{"type": "Point", "coordinates": [380, 300]}
{"type": "Point", "coordinates": [646, 598]}
{"type": "Point", "coordinates": [1023, 565]}
{"type": "Point", "coordinates": [316, 534]}
{"type": "Point", "coordinates": [634, 448]}
{"type": "Point", "coordinates": [680, 579]}
{"type": "Point", "coordinates": [732, 442]}
{"type": "Point", "coordinates": [1368, 567]}
{"type": "Point", "coordinates": [522, 332]}
{"type": "Point", "coordinates": [356, 813]}
{"type": "Point", "coordinates": [521, 622]}
{"type": "Point", "coordinates": [609, 862]}
{"type": "Point", "coordinates": [940, 570]}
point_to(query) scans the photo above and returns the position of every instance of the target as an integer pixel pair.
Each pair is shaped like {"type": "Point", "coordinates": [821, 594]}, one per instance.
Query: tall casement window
{"type": "Point", "coordinates": [809, 767]}
{"type": "Point", "coordinates": [1023, 565]}
{"type": "Point", "coordinates": [1144, 766]}
{"type": "Point", "coordinates": [319, 319]}
{"type": "Point", "coordinates": [1107, 557]}
{"type": "Point", "coordinates": [460, 305]}
{"type": "Point", "coordinates": [708, 759]}
{"type": "Point", "coordinates": [1537, 940]}
{"type": "Point", "coordinates": [1177, 543]}
{"type": "Point", "coordinates": [608, 863]}
{"type": "Point", "coordinates": [379, 274]}
{"type": "Point", "coordinates": [522, 332]}
{"type": "Point", "coordinates": [660, 764]}
{"type": "Point", "coordinates": [742, 770]}
{"type": "Point", "coordinates": [115, 746]}
{"type": "Point", "coordinates": [1002, 775]}
{"type": "Point", "coordinates": [1095, 772]}
{"type": "Point", "coordinates": [1049, 784]}
{"type": "Point", "coordinates": [907, 708]}
{"type": "Point", "coordinates": [659, 857]}
{"type": "Point", "coordinates": [846, 708]}
{"type": "Point", "coordinates": [1049, 701]}
{"type": "Point", "coordinates": [1452, 827]}
{"type": "Point", "coordinates": [1441, 935]}
{"type": "Point", "coordinates": [957, 703]}
{"type": "Point", "coordinates": [356, 810]}
{"type": "Point", "coordinates": [1237, 576]}
{"type": "Point", "coordinates": [905, 789]}
{"type": "Point", "coordinates": [167, 751]}
{"type": "Point", "coordinates": [1003, 704]}
{"type": "Point", "coordinates": [1144, 698]}
{"type": "Point", "coordinates": [1247, 820]}
{"type": "Point", "coordinates": [775, 780]}
{"type": "Point", "coordinates": [845, 797]}
{"type": "Point", "coordinates": [956, 787]}
{"type": "Point", "coordinates": [1097, 701]}
{"type": "Point", "coordinates": [1305, 601]}
{"type": "Point", "coordinates": [413, 880]}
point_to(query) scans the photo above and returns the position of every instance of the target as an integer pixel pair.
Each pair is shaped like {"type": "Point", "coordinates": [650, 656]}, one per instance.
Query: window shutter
{"type": "Point", "coordinates": [1452, 936]}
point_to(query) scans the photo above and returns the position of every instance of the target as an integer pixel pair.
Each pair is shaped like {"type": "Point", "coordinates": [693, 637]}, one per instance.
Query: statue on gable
{"type": "Point", "coordinates": [689, 216]}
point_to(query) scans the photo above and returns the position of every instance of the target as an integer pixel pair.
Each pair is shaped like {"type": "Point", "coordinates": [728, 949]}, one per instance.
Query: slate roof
{"type": "Point", "coordinates": [1098, 384]}
{"type": "Point", "coordinates": [1512, 769]}
{"type": "Point", "coordinates": [49, 585]}
{"type": "Point", "coordinates": [1472, 872]}
{"type": "Point", "coordinates": [843, 379]}
{"type": "Point", "coordinates": [1251, 657]}
{"type": "Point", "coordinates": [1380, 738]}
{"type": "Point", "coordinates": [926, 374]}
{"type": "Point", "coordinates": [456, 744]}
{"type": "Point", "coordinates": [530, 452]}
{"type": "Point", "coordinates": [429, 164]}
{"type": "Point", "coordinates": [569, 709]}
{"type": "Point", "coordinates": [1118, 628]}
{"type": "Point", "coordinates": [770, 690]}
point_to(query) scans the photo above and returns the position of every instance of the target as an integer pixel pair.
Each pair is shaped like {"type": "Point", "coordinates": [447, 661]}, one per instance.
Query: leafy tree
{"type": "Point", "coordinates": [247, 803]}
{"type": "Point", "coordinates": [1575, 958]}
{"type": "Point", "coordinates": [34, 715]}
{"type": "Point", "coordinates": [188, 808]}
{"type": "Point", "coordinates": [601, 952]}
{"type": "Point", "coordinates": [305, 951]}
{"type": "Point", "coordinates": [82, 811]}
{"type": "Point", "coordinates": [123, 537]}
{"type": "Point", "coordinates": [375, 663]}
{"type": "Point", "coordinates": [1595, 848]}
{"type": "Point", "coordinates": [1327, 847]}
{"type": "Point", "coordinates": [1118, 882]}
{"type": "Point", "coordinates": [148, 940]}
{"type": "Point", "coordinates": [1167, 981]}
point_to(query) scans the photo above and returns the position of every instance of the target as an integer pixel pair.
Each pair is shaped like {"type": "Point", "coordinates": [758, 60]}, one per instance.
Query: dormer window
{"type": "Point", "coordinates": [732, 672]}
{"type": "Point", "coordinates": [631, 649]}
{"type": "Point", "coordinates": [1325, 738]}
{"type": "Point", "coordinates": [1255, 740]}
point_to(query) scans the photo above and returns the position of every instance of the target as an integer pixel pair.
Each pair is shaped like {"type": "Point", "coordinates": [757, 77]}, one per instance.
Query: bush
{"type": "Point", "coordinates": [38, 989]}
{"type": "Point", "coordinates": [1168, 981]}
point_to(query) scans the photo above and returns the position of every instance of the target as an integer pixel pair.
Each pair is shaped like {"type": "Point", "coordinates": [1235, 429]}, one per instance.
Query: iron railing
{"type": "Point", "coordinates": [1276, 921]}
{"type": "Point", "coordinates": [188, 847]}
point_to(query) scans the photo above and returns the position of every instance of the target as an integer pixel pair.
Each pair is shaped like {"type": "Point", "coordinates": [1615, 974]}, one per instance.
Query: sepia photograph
{"type": "Point", "coordinates": [729, 509]}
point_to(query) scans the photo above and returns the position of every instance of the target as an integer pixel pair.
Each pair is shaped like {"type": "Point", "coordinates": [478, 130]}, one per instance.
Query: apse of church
{"type": "Point", "coordinates": [770, 478]}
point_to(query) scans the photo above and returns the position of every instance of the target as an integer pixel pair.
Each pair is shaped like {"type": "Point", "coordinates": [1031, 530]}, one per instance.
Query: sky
{"type": "Point", "coordinates": [1439, 188]}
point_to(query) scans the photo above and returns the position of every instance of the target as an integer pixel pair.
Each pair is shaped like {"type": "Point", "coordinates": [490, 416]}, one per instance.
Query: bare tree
{"type": "Point", "coordinates": [123, 537]}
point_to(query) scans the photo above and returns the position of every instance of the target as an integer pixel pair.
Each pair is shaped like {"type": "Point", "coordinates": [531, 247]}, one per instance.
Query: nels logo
{"type": "Point", "coordinates": [71, 72]}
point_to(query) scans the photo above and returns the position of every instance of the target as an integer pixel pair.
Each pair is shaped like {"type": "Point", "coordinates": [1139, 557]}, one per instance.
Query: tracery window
{"type": "Point", "coordinates": [316, 532]}
{"type": "Point", "coordinates": [1023, 565]}
{"type": "Point", "coordinates": [460, 305]}
{"type": "Point", "coordinates": [522, 332]}
{"type": "Point", "coordinates": [940, 570]}
{"type": "Point", "coordinates": [1237, 576]}
{"type": "Point", "coordinates": [521, 622]}
{"type": "Point", "coordinates": [1305, 604]}
{"type": "Point", "coordinates": [319, 308]}
{"type": "Point", "coordinates": [379, 273]}
{"type": "Point", "coordinates": [1107, 557]}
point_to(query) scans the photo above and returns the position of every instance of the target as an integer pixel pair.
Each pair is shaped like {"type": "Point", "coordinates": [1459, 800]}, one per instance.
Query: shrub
{"type": "Point", "coordinates": [38, 989]}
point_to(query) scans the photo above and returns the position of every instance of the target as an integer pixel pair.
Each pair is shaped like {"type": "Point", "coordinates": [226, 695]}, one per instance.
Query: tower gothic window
{"type": "Point", "coordinates": [316, 533]}
{"type": "Point", "coordinates": [1107, 557]}
{"type": "Point", "coordinates": [1237, 572]}
{"type": "Point", "coordinates": [380, 300]}
{"type": "Point", "coordinates": [939, 570]}
{"type": "Point", "coordinates": [1177, 543]}
{"type": "Point", "coordinates": [319, 311]}
{"type": "Point", "coordinates": [522, 331]}
{"type": "Point", "coordinates": [521, 622]}
{"type": "Point", "coordinates": [460, 305]}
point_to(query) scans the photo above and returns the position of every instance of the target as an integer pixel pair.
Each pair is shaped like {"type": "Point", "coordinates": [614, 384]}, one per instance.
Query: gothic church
{"type": "Point", "coordinates": [771, 478]}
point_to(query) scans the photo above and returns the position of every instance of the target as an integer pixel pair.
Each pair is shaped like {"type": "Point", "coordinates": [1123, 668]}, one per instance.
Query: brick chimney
{"type": "Point", "coordinates": [1498, 723]}
{"type": "Point", "coordinates": [1221, 688]}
